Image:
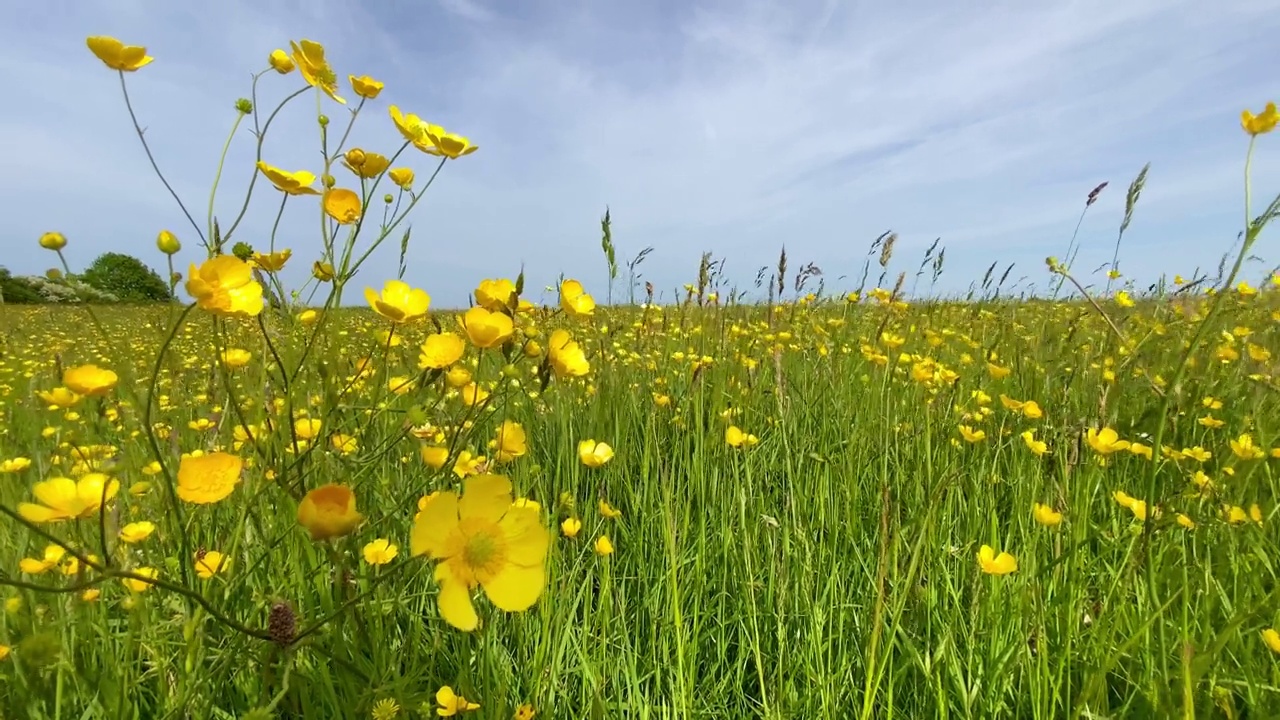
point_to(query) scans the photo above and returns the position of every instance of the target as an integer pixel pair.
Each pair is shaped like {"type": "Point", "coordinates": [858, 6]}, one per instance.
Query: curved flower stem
{"type": "Point", "coordinates": [147, 148]}
{"type": "Point", "coordinates": [217, 177]}
{"type": "Point", "coordinates": [261, 133]}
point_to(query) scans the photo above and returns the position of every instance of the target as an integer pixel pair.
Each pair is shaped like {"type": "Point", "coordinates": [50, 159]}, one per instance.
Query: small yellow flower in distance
{"type": "Point", "coordinates": [344, 444]}
{"type": "Point", "coordinates": [594, 454]}
{"type": "Point", "coordinates": [292, 183]}
{"type": "Point", "coordinates": [1244, 448]}
{"type": "Point", "coordinates": [5, 651]}
{"type": "Point", "coordinates": [993, 564]}
{"type": "Point", "coordinates": [329, 511]}
{"type": "Point", "coordinates": [66, 499]}
{"type": "Point", "coordinates": [365, 86]}
{"type": "Point", "coordinates": [1105, 441]}
{"type": "Point", "coordinates": [1272, 639]}
{"type": "Point", "coordinates": [525, 712]}
{"type": "Point", "coordinates": [446, 144]}
{"type": "Point", "coordinates": [139, 585]}
{"type": "Point", "coordinates": [440, 350]}
{"type": "Point", "coordinates": [224, 285]}
{"type": "Point", "coordinates": [308, 317]}
{"type": "Point", "coordinates": [236, 358]}
{"type": "Point", "coordinates": [510, 442]}
{"type": "Point", "coordinates": [486, 329]}
{"type": "Point", "coordinates": [343, 205]}
{"type": "Point", "coordinates": [604, 546]}
{"type": "Point", "coordinates": [385, 709]}
{"type": "Point", "coordinates": [307, 428]}
{"type": "Point", "coordinates": [574, 300]}
{"type": "Point", "coordinates": [452, 703]}
{"type": "Point", "coordinates": [1046, 515]}
{"type": "Point", "coordinates": [398, 302]}
{"type": "Point", "coordinates": [567, 358]}
{"type": "Point", "coordinates": [210, 563]}
{"type": "Point", "coordinates": [606, 510]}
{"type": "Point", "coordinates": [53, 555]}
{"type": "Point", "coordinates": [136, 532]}
{"type": "Point", "coordinates": [1260, 124]}
{"type": "Point", "coordinates": [482, 539]}
{"type": "Point", "coordinates": [495, 294]}
{"type": "Point", "coordinates": [972, 435]}
{"type": "Point", "coordinates": [59, 397]}
{"type": "Point", "coordinates": [1039, 447]}
{"type": "Point", "coordinates": [280, 61]}
{"type": "Point", "coordinates": [571, 527]}
{"type": "Point", "coordinates": [1123, 299]}
{"type": "Point", "coordinates": [322, 271]}
{"type": "Point", "coordinates": [210, 478]}
{"type": "Point", "coordinates": [1186, 522]}
{"type": "Point", "coordinates": [14, 465]}
{"type": "Point", "coordinates": [434, 456]}
{"type": "Point", "coordinates": [380, 552]}
{"type": "Point", "coordinates": [315, 69]}
{"type": "Point", "coordinates": [89, 380]}
{"type": "Point", "coordinates": [736, 438]}
{"type": "Point", "coordinates": [1031, 410]}
{"type": "Point", "coordinates": [116, 55]}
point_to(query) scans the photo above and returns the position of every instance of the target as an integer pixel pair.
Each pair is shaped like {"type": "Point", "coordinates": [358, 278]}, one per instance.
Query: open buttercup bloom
{"type": "Point", "coordinates": [495, 294]}
{"type": "Point", "coordinates": [993, 564]}
{"type": "Point", "coordinates": [116, 55]}
{"type": "Point", "coordinates": [365, 86]}
{"type": "Point", "coordinates": [343, 205]}
{"type": "Point", "coordinates": [309, 57]}
{"type": "Point", "coordinates": [574, 300]}
{"type": "Point", "coordinates": [486, 329]}
{"type": "Point", "coordinates": [206, 479]}
{"type": "Point", "coordinates": [89, 380]}
{"type": "Point", "coordinates": [482, 539]}
{"type": "Point", "coordinates": [398, 302]}
{"type": "Point", "coordinates": [297, 182]}
{"type": "Point", "coordinates": [62, 498]}
{"type": "Point", "coordinates": [594, 454]}
{"type": "Point", "coordinates": [440, 350]}
{"type": "Point", "coordinates": [224, 285]}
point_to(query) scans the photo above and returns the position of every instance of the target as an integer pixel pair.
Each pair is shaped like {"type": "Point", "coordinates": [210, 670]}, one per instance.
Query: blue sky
{"type": "Point", "coordinates": [733, 127]}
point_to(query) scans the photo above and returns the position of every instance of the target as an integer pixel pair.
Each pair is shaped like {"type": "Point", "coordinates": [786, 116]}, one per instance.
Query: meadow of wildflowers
{"type": "Point", "coordinates": [267, 503]}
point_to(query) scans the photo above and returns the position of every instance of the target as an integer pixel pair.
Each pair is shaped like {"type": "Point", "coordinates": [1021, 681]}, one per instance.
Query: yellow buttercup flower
{"type": "Point", "coordinates": [53, 241]}
{"type": "Point", "coordinates": [210, 563]}
{"type": "Point", "coordinates": [224, 285]}
{"type": "Point", "coordinates": [398, 302]}
{"type": "Point", "coordinates": [736, 438]}
{"type": "Point", "coordinates": [116, 55]}
{"type": "Point", "coordinates": [566, 357]}
{"type": "Point", "coordinates": [1262, 123]}
{"type": "Point", "coordinates": [510, 442]}
{"type": "Point", "coordinates": [481, 539]}
{"type": "Point", "coordinates": [365, 164]}
{"type": "Point", "coordinates": [365, 86]}
{"type": "Point", "coordinates": [343, 205]}
{"type": "Point", "coordinates": [89, 380]}
{"type": "Point", "coordinates": [402, 176]}
{"type": "Point", "coordinates": [329, 511]}
{"type": "Point", "coordinates": [294, 183]}
{"type": "Point", "coordinates": [280, 61]}
{"type": "Point", "coordinates": [315, 69]}
{"type": "Point", "coordinates": [138, 585]}
{"type": "Point", "coordinates": [379, 552]}
{"type": "Point", "coordinates": [993, 564]}
{"type": "Point", "coordinates": [452, 703]}
{"type": "Point", "coordinates": [447, 144]}
{"type": "Point", "coordinates": [271, 262]}
{"type": "Point", "coordinates": [574, 300]}
{"type": "Point", "coordinates": [209, 478]}
{"type": "Point", "coordinates": [66, 499]}
{"type": "Point", "coordinates": [495, 294]}
{"type": "Point", "coordinates": [136, 532]}
{"type": "Point", "coordinates": [594, 454]}
{"type": "Point", "coordinates": [440, 350]}
{"type": "Point", "coordinates": [1046, 515]}
{"type": "Point", "coordinates": [486, 329]}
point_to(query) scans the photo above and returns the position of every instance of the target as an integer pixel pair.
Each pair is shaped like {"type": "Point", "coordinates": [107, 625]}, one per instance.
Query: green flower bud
{"type": "Point", "coordinates": [244, 106]}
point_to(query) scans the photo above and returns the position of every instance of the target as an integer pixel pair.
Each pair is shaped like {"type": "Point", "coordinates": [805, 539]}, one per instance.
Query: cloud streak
{"type": "Point", "coordinates": [730, 127]}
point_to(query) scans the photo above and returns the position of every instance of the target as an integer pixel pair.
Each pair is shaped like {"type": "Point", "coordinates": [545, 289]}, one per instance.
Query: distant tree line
{"type": "Point", "coordinates": [112, 278]}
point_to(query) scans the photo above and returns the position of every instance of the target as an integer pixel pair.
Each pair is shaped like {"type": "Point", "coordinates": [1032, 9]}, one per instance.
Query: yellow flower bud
{"type": "Point", "coordinates": [168, 242]}
{"type": "Point", "coordinates": [53, 241]}
{"type": "Point", "coordinates": [281, 62]}
{"type": "Point", "coordinates": [355, 157]}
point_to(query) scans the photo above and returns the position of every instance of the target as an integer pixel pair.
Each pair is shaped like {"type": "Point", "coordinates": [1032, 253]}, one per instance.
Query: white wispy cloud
{"type": "Point", "coordinates": [733, 127]}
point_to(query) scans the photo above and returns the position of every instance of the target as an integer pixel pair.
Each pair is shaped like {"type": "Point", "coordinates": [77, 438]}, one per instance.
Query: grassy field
{"type": "Point", "coordinates": [823, 506]}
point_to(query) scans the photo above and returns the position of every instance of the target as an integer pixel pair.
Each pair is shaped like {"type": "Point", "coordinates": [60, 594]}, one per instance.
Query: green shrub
{"type": "Point", "coordinates": [126, 278]}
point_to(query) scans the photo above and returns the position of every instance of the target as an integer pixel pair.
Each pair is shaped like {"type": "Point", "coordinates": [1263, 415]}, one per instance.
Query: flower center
{"type": "Point", "coordinates": [484, 551]}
